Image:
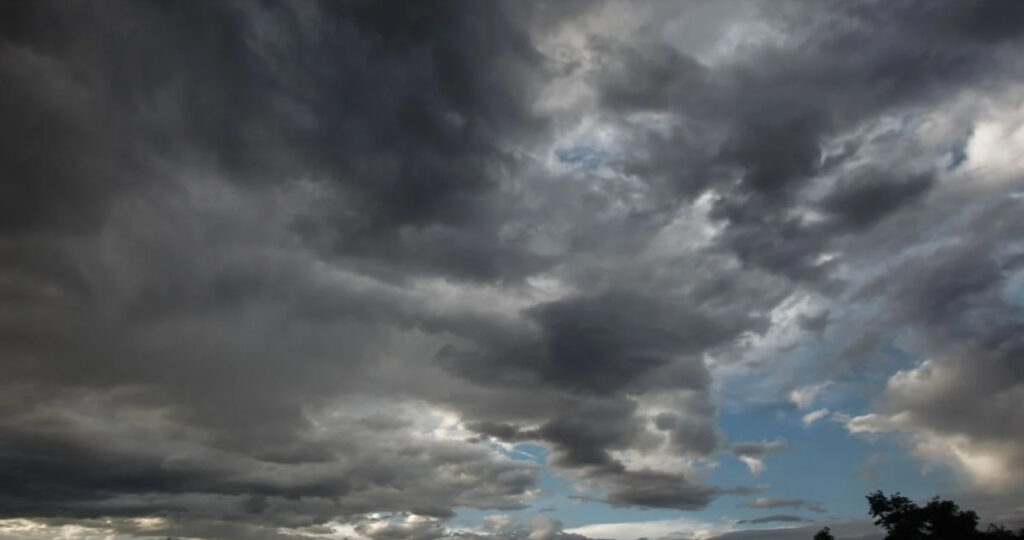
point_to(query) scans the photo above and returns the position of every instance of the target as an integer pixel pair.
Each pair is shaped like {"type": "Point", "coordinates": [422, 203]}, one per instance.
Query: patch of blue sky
{"type": "Point", "coordinates": [821, 463]}
{"type": "Point", "coordinates": [823, 459]}
{"type": "Point", "coordinates": [767, 383]}
{"type": "Point", "coordinates": [586, 158]}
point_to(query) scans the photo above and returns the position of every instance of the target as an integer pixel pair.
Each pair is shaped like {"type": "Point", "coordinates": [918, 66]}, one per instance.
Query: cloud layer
{"type": "Point", "coordinates": [313, 268]}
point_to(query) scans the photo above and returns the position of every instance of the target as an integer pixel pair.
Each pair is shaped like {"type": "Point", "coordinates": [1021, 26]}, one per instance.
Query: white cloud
{"type": "Point", "coordinates": [756, 465]}
{"type": "Point", "coordinates": [988, 465]}
{"type": "Point", "coordinates": [814, 416]}
{"type": "Point", "coordinates": [665, 528]}
{"type": "Point", "coordinates": [995, 150]}
{"type": "Point", "coordinates": [803, 397]}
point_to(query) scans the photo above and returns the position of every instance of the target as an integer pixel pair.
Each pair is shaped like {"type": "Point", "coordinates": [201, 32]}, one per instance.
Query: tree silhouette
{"type": "Point", "coordinates": [902, 519]}
{"type": "Point", "coordinates": [824, 534]}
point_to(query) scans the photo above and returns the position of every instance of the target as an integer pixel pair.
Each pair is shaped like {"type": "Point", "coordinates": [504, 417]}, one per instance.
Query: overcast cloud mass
{"type": "Point", "coordinates": [507, 270]}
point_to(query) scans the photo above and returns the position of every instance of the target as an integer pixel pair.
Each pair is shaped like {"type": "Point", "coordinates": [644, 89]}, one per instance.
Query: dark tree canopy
{"type": "Point", "coordinates": [905, 520]}
{"type": "Point", "coordinates": [940, 519]}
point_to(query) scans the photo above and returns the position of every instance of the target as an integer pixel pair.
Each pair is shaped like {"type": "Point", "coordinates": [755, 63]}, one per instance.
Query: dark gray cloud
{"type": "Point", "coordinates": [758, 449]}
{"type": "Point", "coordinates": [659, 490]}
{"type": "Point", "coordinates": [270, 92]}
{"type": "Point", "coordinates": [767, 116]}
{"type": "Point", "coordinates": [783, 502]}
{"type": "Point", "coordinates": [859, 202]}
{"type": "Point", "coordinates": [286, 267]}
{"type": "Point", "coordinates": [173, 175]}
{"type": "Point", "coordinates": [776, 518]}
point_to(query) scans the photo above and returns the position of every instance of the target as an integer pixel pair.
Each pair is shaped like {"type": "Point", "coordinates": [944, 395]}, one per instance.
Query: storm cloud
{"type": "Point", "coordinates": [318, 268]}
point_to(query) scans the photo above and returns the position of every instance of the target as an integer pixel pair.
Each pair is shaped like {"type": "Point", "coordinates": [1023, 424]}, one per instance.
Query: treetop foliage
{"type": "Point", "coordinates": [939, 519]}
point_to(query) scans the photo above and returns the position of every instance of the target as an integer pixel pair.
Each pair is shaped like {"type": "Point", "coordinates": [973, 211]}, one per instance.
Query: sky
{"type": "Point", "coordinates": [523, 270]}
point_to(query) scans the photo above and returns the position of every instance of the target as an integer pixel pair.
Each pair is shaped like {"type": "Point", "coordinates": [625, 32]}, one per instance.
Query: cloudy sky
{"type": "Point", "coordinates": [524, 270]}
